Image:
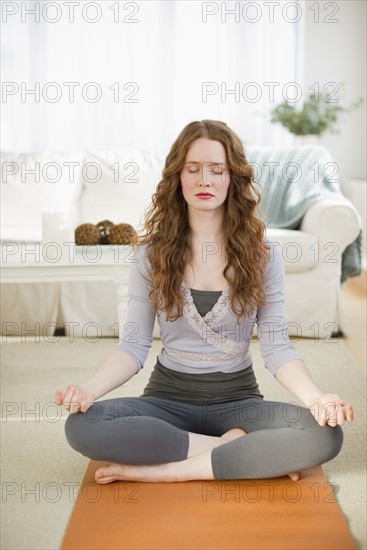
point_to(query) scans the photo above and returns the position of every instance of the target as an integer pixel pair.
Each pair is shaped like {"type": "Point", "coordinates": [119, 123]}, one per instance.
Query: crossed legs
{"type": "Point", "coordinates": [154, 439]}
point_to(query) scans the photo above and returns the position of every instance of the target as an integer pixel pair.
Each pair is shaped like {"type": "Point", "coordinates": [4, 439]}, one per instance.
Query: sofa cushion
{"type": "Point", "coordinates": [119, 185]}
{"type": "Point", "coordinates": [299, 249]}
{"type": "Point", "coordinates": [55, 184]}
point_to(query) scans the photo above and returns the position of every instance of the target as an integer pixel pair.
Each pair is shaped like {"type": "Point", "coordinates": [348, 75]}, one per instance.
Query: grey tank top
{"type": "Point", "coordinates": [208, 388]}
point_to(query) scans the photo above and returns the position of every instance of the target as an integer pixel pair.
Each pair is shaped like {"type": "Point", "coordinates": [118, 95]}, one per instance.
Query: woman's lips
{"type": "Point", "coordinates": [204, 195]}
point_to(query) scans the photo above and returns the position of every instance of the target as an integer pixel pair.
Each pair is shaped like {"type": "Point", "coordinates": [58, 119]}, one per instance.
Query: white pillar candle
{"type": "Point", "coordinates": [52, 227]}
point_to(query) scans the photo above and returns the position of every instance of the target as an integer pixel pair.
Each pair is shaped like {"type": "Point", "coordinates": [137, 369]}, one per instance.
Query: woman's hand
{"type": "Point", "coordinates": [330, 409]}
{"type": "Point", "coordinates": [75, 398]}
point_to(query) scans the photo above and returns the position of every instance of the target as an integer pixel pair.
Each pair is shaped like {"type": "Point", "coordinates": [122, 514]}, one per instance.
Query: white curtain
{"type": "Point", "coordinates": [168, 51]}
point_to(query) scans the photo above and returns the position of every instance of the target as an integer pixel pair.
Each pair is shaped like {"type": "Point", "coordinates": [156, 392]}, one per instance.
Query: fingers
{"type": "Point", "coordinates": [74, 399]}
{"type": "Point", "coordinates": [338, 413]}
{"type": "Point", "coordinates": [75, 403]}
{"type": "Point", "coordinates": [331, 415]}
{"type": "Point", "coordinates": [85, 406]}
{"type": "Point", "coordinates": [71, 399]}
{"type": "Point", "coordinates": [350, 413]}
{"type": "Point", "coordinates": [68, 397]}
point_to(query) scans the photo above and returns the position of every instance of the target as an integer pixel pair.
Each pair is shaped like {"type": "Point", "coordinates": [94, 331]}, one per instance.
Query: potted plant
{"type": "Point", "coordinates": [316, 116]}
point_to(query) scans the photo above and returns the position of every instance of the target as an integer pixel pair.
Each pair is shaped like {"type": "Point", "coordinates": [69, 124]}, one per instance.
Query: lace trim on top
{"type": "Point", "coordinates": [204, 326]}
{"type": "Point", "coordinates": [205, 358]}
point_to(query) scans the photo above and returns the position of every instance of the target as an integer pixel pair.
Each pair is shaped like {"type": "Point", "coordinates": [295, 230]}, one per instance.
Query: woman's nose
{"type": "Point", "coordinates": [205, 176]}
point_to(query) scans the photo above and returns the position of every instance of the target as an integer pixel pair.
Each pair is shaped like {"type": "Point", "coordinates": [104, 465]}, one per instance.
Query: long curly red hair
{"type": "Point", "coordinates": [167, 230]}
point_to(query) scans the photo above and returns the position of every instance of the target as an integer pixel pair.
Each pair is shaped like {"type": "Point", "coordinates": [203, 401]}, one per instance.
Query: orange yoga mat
{"type": "Point", "coordinates": [274, 513]}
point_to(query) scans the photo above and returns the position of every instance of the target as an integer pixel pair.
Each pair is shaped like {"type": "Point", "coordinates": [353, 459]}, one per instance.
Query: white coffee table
{"type": "Point", "coordinates": [35, 263]}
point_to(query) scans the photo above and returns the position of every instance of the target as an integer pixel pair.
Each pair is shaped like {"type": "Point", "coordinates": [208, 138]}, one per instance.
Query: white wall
{"type": "Point", "coordinates": [169, 53]}
{"type": "Point", "coordinates": [334, 52]}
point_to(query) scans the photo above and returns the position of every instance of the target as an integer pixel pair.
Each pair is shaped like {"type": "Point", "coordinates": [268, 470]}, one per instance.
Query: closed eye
{"type": "Point", "coordinates": [215, 170]}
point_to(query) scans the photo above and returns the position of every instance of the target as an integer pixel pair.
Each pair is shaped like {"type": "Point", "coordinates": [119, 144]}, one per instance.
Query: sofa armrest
{"type": "Point", "coordinates": [333, 221]}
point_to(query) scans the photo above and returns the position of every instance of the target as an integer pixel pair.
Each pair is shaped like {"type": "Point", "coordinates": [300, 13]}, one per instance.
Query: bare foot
{"type": "Point", "coordinates": [120, 472]}
{"type": "Point", "coordinates": [163, 472]}
{"type": "Point", "coordinates": [232, 434]}
{"type": "Point", "coordinates": [123, 472]}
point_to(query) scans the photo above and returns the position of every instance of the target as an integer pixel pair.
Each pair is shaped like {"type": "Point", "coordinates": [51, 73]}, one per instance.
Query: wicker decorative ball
{"type": "Point", "coordinates": [104, 229]}
{"type": "Point", "coordinates": [87, 234]}
{"type": "Point", "coordinates": [122, 233]}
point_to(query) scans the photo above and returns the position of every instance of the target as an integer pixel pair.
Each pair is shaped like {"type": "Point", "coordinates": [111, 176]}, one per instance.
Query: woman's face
{"type": "Point", "coordinates": [205, 171]}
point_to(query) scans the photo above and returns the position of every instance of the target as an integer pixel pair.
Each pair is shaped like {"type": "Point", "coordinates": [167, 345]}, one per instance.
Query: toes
{"type": "Point", "coordinates": [102, 473]}
{"type": "Point", "coordinates": [105, 480]}
{"type": "Point", "coordinates": [106, 474]}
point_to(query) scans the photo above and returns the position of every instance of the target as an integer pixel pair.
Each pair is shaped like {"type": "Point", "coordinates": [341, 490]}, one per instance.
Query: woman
{"type": "Point", "coordinates": [206, 268]}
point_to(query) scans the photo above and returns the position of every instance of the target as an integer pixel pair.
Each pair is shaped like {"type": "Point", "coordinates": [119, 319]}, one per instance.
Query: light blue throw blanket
{"type": "Point", "coordinates": [291, 180]}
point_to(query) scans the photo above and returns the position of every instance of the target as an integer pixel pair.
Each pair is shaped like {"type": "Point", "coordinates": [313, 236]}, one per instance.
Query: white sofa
{"type": "Point", "coordinates": [92, 186]}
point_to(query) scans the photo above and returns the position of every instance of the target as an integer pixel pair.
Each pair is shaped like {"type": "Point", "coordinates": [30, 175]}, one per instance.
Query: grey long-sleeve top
{"type": "Point", "coordinates": [214, 342]}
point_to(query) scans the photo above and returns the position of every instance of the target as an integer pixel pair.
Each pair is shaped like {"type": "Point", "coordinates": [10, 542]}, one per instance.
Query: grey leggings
{"type": "Point", "coordinates": [282, 437]}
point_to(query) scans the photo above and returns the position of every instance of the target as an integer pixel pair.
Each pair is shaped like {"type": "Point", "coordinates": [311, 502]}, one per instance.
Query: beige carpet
{"type": "Point", "coordinates": [41, 474]}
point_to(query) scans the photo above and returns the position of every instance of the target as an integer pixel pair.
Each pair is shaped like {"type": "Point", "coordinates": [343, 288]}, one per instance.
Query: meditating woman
{"type": "Point", "coordinates": [205, 267]}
